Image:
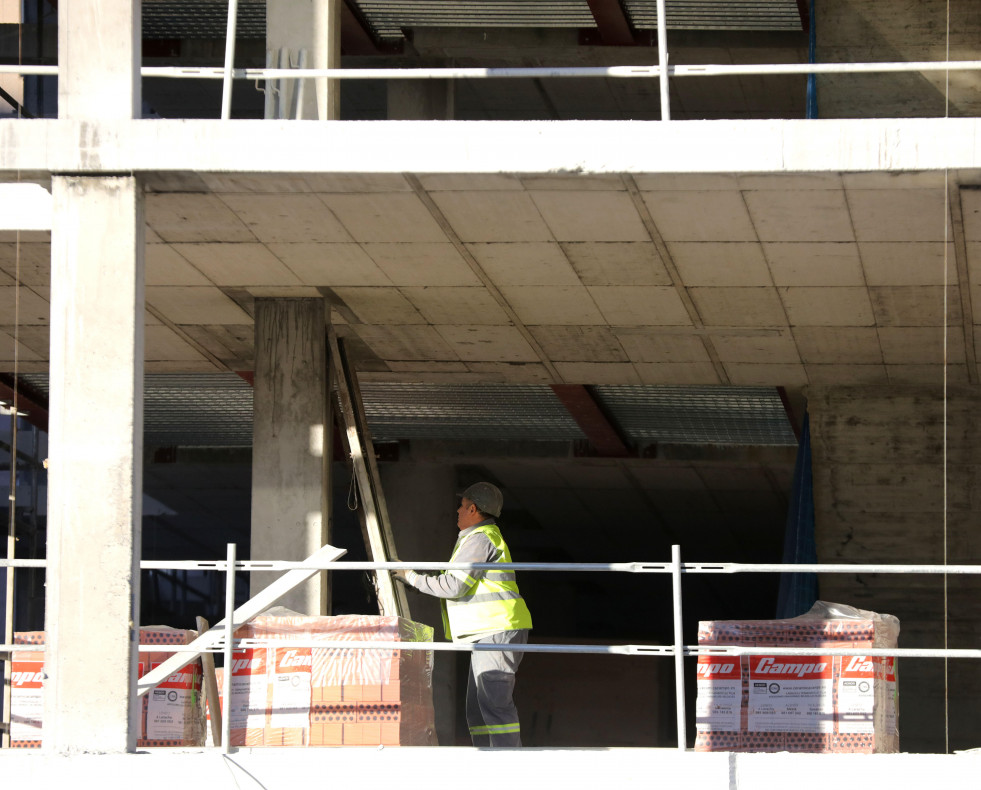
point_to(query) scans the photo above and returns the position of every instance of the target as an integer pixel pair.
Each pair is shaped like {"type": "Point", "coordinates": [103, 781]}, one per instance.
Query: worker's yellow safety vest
{"type": "Point", "coordinates": [492, 603]}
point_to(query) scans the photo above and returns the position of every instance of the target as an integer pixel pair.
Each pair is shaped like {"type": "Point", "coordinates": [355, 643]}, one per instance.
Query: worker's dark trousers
{"type": "Point", "coordinates": [491, 715]}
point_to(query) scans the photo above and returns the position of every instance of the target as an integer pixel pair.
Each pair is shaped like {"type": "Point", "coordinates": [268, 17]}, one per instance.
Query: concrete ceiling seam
{"type": "Point", "coordinates": [963, 278]}
{"type": "Point", "coordinates": [478, 270]}
{"type": "Point", "coordinates": [662, 249]}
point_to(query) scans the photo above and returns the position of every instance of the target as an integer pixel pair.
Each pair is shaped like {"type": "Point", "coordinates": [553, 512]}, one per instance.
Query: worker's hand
{"type": "Point", "coordinates": [399, 576]}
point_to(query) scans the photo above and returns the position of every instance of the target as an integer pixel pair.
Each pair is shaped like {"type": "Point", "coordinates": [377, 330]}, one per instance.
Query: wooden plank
{"type": "Point", "coordinates": [381, 507]}
{"type": "Point", "coordinates": [210, 683]}
{"type": "Point", "coordinates": [254, 606]}
{"type": "Point", "coordinates": [387, 601]}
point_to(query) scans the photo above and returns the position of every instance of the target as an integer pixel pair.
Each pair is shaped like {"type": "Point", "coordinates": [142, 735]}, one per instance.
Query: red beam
{"type": "Point", "coordinates": [614, 29]}
{"type": "Point", "coordinates": [584, 409]}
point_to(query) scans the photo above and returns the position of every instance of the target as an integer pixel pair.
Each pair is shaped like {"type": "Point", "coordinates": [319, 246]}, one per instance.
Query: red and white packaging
{"type": "Point", "coordinates": [799, 703]}
{"type": "Point", "coordinates": [173, 714]}
{"type": "Point", "coordinates": [303, 696]}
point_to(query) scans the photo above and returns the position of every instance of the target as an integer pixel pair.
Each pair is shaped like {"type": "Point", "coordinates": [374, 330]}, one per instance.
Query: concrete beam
{"type": "Point", "coordinates": [290, 445]}
{"type": "Point", "coordinates": [570, 147]}
{"type": "Point", "coordinates": [96, 457]}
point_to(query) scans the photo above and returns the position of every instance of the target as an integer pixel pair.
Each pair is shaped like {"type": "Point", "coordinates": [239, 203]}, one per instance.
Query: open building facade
{"type": "Point", "coordinates": [618, 305]}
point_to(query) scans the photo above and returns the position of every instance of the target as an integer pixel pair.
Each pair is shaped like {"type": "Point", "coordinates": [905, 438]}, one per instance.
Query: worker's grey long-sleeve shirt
{"type": "Point", "coordinates": [453, 584]}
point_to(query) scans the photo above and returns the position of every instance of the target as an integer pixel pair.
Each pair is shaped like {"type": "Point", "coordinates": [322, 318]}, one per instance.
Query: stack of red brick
{"type": "Point", "coordinates": [778, 703]}
{"type": "Point", "coordinates": [310, 696]}
{"type": "Point", "coordinates": [172, 713]}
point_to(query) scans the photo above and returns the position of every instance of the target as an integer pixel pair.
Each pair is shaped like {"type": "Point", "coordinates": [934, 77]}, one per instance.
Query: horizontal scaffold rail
{"type": "Point", "coordinates": [578, 567]}
{"type": "Point", "coordinates": [537, 72]}
{"type": "Point", "coordinates": [624, 650]}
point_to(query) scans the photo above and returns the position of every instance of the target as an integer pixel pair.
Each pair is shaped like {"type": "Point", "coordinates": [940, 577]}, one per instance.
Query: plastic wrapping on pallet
{"type": "Point", "coordinates": [172, 714]}
{"type": "Point", "coordinates": [310, 696]}
{"type": "Point", "coordinates": [775, 703]}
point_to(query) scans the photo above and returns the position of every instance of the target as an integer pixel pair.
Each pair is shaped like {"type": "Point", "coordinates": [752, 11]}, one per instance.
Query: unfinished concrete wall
{"type": "Point", "coordinates": [852, 31]}
{"type": "Point", "coordinates": [421, 501]}
{"type": "Point", "coordinates": [879, 498]}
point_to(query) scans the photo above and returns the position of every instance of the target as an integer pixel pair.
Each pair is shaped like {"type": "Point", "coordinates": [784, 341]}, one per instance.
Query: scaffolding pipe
{"type": "Point", "coordinates": [662, 60]}
{"type": "Point", "coordinates": [226, 89]}
{"type": "Point", "coordinates": [226, 680]}
{"type": "Point", "coordinates": [679, 650]}
{"type": "Point", "coordinates": [544, 72]}
{"type": "Point", "coordinates": [254, 566]}
{"type": "Point", "coordinates": [616, 72]}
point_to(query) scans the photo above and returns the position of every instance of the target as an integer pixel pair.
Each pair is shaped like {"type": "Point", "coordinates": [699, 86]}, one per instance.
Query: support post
{"type": "Point", "coordinates": [313, 25]}
{"type": "Point", "coordinates": [679, 645]}
{"type": "Point", "coordinates": [291, 447]}
{"type": "Point", "coordinates": [95, 474]}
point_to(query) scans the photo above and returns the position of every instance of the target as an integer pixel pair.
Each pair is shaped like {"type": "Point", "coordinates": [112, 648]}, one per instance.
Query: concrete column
{"type": "Point", "coordinates": [421, 501]}
{"type": "Point", "coordinates": [99, 59]}
{"type": "Point", "coordinates": [95, 473]}
{"type": "Point", "coordinates": [290, 448]}
{"type": "Point", "coordinates": [420, 100]}
{"type": "Point", "coordinates": [314, 25]}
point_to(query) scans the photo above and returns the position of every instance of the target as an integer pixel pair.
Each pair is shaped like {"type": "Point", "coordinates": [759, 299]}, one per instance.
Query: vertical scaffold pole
{"type": "Point", "coordinates": [662, 59]}
{"type": "Point", "coordinates": [226, 681]}
{"type": "Point", "coordinates": [679, 645]}
{"type": "Point", "coordinates": [226, 88]}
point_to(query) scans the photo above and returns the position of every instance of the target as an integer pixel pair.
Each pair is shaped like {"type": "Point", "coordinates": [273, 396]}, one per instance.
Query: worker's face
{"type": "Point", "coordinates": [467, 514]}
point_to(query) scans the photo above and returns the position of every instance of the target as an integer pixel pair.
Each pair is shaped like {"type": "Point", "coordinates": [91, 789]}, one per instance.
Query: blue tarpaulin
{"type": "Point", "coordinates": [799, 591]}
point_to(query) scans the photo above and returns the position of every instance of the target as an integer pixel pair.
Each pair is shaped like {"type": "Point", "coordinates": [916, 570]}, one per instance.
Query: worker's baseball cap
{"type": "Point", "coordinates": [486, 496]}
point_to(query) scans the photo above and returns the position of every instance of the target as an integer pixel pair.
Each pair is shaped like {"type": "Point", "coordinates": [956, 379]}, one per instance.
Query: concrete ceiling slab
{"type": "Point", "coordinates": [677, 373]}
{"type": "Point", "coordinates": [328, 264]}
{"type": "Point", "coordinates": [474, 276]}
{"type": "Point", "coordinates": [284, 218]}
{"type": "Point", "coordinates": [195, 305]}
{"type": "Point", "coordinates": [924, 345]}
{"type": "Point", "coordinates": [493, 216]}
{"type": "Point", "coordinates": [764, 375]}
{"type": "Point", "coordinates": [525, 263]}
{"type": "Point", "coordinates": [488, 343]}
{"type": "Point", "coordinates": [547, 304]}
{"type": "Point", "coordinates": [899, 215]}
{"type": "Point", "coordinates": [640, 305]}
{"type": "Point", "coordinates": [26, 303]}
{"type": "Point", "coordinates": [720, 263]}
{"type": "Point", "coordinates": [381, 217]}
{"type": "Point", "coordinates": [421, 263]}
{"type": "Point", "coordinates": [413, 342]}
{"type": "Point", "coordinates": [190, 217]}
{"type": "Point", "coordinates": [814, 263]}
{"type": "Point", "coordinates": [907, 263]}
{"type": "Point", "coordinates": [739, 306]}
{"type": "Point", "coordinates": [838, 346]}
{"type": "Point", "coordinates": [700, 216]}
{"type": "Point", "coordinates": [380, 305]}
{"type": "Point", "coordinates": [590, 216]}
{"type": "Point", "coordinates": [774, 348]}
{"type": "Point", "coordinates": [585, 343]}
{"type": "Point", "coordinates": [845, 306]}
{"type": "Point", "coordinates": [164, 344]}
{"type": "Point", "coordinates": [166, 266]}
{"type": "Point", "coordinates": [903, 305]}
{"type": "Point", "coordinates": [599, 372]}
{"type": "Point", "coordinates": [800, 215]}
{"type": "Point", "coordinates": [455, 305]}
{"type": "Point", "coordinates": [617, 263]}
{"type": "Point", "coordinates": [648, 346]}
{"type": "Point", "coordinates": [244, 264]}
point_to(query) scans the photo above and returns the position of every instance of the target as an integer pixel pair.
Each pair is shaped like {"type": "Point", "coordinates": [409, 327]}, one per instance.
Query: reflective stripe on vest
{"type": "Point", "coordinates": [493, 603]}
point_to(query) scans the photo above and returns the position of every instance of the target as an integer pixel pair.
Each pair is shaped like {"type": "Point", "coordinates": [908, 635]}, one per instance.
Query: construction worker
{"type": "Point", "coordinates": [485, 608]}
